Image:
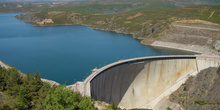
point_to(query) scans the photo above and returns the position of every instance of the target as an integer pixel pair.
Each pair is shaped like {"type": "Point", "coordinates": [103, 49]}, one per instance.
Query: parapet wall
{"type": "Point", "coordinates": [143, 82]}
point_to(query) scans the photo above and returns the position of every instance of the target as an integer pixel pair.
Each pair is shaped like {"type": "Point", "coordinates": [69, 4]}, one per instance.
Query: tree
{"type": "Point", "coordinates": [64, 98]}
{"type": "Point", "coordinates": [24, 100]}
{"type": "Point", "coordinates": [30, 92]}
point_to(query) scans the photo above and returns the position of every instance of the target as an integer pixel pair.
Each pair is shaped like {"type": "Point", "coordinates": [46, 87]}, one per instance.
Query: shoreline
{"type": "Point", "coordinates": [197, 52]}
{"type": "Point", "coordinates": [51, 82]}
{"type": "Point", "coordinates": [185, 47]}
{"type": "Point", "coordinates": [178, 46]}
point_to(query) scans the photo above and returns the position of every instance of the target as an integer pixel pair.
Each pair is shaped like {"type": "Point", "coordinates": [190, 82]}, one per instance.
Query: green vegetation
{"type": "Point", "coordinates": [168, 108]}
{"type": "Point", "coordinates": [101, 6]}
{"type": "Point", "coordinates": [84, 10]}
{"type": "Point", "coordinates": [156, 5]}
{"type": "Point", "coordinates": [140, 23]}
{"type": "Point", "coordinates": [112, 107]}
{"type": "Point", "coordinates": [218, 70]}
{"type": "Point", "coordinates": [213, 47]}
{"type": "Point", "coordinates": [145, 23]}
{"type": "Point", "coordinates": [29, 92]}
{"type": "Point", "coordinates": [63, 98]}
{"type": "Point", "coordinates": [88, 6]}
{"type": "Point", "coordinates": [200, 102]}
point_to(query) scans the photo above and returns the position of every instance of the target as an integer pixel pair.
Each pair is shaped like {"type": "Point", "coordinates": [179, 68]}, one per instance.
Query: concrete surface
{"type": "Point", "coordinates": [143, 82]}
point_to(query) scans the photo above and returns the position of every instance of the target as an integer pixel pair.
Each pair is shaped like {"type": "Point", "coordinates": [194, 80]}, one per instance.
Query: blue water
{"type": "Point", "coordinates": [65, 54]}
{"type": "Point", "coordinates": [109, 13]}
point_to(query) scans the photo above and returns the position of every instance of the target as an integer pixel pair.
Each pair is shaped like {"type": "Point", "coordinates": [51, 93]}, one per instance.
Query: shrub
{"type": "Point", "coordinates": [218, 71]}
{"type": "Point", "coordinates": [213, 47]}
{"type": "Point", "coordinates": [168, 108]}
{"type": "Point", "coordinates": [201, 102]}
{"type": "Point", "coordinates": [112, 107]}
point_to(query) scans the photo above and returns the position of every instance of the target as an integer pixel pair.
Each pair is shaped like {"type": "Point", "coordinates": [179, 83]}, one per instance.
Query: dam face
{"type": "Point", "coordinates": [142, 82]}
{"type": "Point", "coordinates": [134, 84]}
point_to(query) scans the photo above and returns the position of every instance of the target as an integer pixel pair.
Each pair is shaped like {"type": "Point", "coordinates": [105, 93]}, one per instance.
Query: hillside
{"type": "Point", "coordinates": [163, 27]}
{"type": "Point", "coordinates": [97, 6]}
{"type": "Point", "coordinates": [36, 1]}
{"type": "Point", "coordinates": [176, 2]}
{"type": "Point", "coordinates": [84, 6]}
{"type": "Point", "coordinates": [30, 92]}
{"type": "Point", "coordinates": [200, 92]}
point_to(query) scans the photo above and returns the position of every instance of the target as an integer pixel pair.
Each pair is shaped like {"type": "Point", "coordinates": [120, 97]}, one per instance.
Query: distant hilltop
{"type": "Point", "coordinates": [36, 1]}
{"type": "Point", "coordinates": [179, 3]}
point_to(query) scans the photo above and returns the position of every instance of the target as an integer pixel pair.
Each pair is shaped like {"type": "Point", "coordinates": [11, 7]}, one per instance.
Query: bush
{"type": "Point", "coordinates": [63, 98]}
{"type": "Point", "coordinates": [5, 107]}
{"type": "Point", "coordinates": [201, 102]}
{"type": "Point", "coordinates": [168, 108]}
{"type": "Point", "coordinates": [213, 47]}
{"type": "Point", "coordinates": [218, 71]}
{"type": "Point", "coordinates": [112, 107]}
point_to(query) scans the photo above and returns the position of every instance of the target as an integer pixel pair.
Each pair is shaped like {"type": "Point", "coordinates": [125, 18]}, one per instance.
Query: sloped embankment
{"type": "Point", "coordinates": [194, 35]}
{"type": "Point", "coordinates": [200, 92]}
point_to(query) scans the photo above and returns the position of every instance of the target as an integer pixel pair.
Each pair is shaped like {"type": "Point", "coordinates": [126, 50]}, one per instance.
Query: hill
{"type": "Point", "coordinates": [36, 1]}
{"type": "Point", "coordinates": [99, 6]}
{"type": "Point", "coordinates": [200, 92]}
{"type": "Point", "coordinates": [162, 27]}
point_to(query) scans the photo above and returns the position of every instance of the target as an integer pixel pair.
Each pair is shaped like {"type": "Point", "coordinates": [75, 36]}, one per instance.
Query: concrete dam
{"type": "Point", "coordinates": [142, 83]}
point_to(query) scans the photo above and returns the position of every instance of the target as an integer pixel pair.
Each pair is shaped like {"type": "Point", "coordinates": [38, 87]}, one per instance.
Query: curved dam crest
{"type": "Point", "coordinates": [142, 82]}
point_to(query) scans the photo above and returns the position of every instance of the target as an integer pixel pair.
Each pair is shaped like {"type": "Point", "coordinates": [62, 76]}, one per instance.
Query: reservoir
{"type": "Point", "coordinates": [66, 54]}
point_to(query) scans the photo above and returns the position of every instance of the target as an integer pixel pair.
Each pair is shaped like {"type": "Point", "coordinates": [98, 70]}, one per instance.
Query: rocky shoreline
{"type": "Point", "coordinates": [192, 48]}
{"type": "Point", "coordinates": [210, 46]}
{"type": "Point", "coordinates": [192, 35]}
{"type": "Point", "coordinates": [185, 47]}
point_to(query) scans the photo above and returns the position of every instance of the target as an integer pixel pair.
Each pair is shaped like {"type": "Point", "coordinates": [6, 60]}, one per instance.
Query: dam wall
{"type": "Point", "coordinates": [134, 84]}
{"type": "Point", "coordinates": [142, 82]}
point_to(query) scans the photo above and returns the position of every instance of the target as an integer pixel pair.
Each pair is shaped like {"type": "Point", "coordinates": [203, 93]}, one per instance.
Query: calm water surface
{"type": "Point", "coordinates": [65, 54]}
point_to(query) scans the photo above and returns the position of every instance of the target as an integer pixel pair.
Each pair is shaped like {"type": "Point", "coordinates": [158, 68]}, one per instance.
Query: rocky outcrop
{"type": "Point", "coordinates": [217, 45]}
{"type": "Point", "coordinates": [29, 18]}
{"type": "Point", "coordinates": [200, 92]}
{"type": "Point", "coordinates": [137, 34]}
{"type": "Point", "coordinates": [50, 82]}
{"type": "Point", "coordinates": [192, 35]}
{"type": "Point", "coordinates": [45, 21]}
{"type": "Point", "coordinates": [4, 65]}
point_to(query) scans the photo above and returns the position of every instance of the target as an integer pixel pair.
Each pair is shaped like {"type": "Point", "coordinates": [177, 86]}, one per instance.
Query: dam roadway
{"type": "Point", "coordinates": [142, 82]}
